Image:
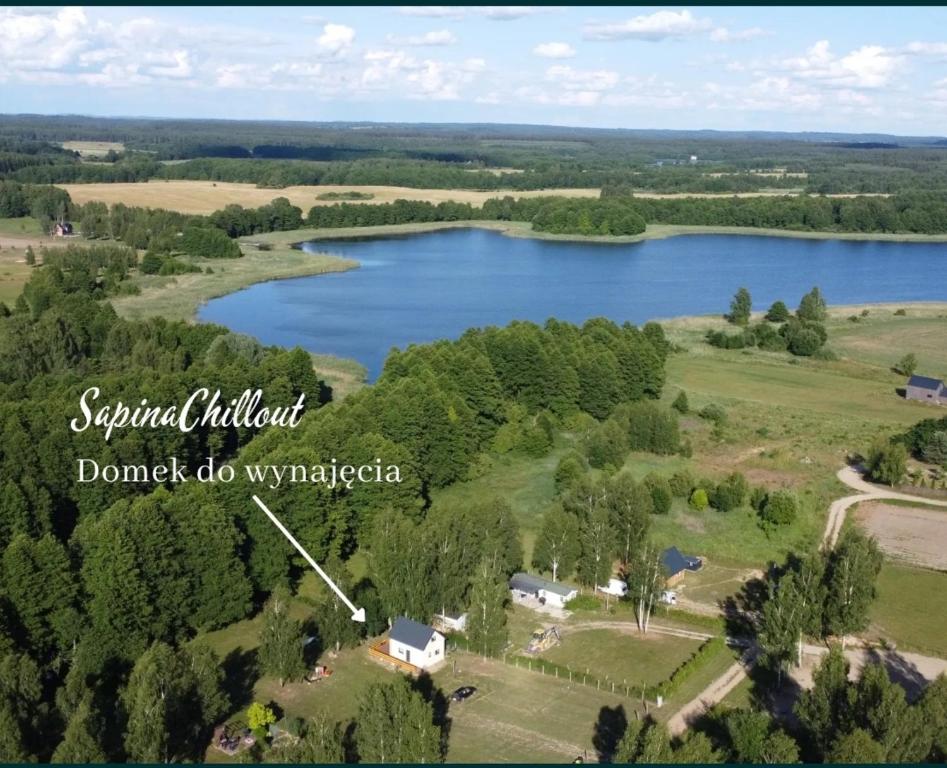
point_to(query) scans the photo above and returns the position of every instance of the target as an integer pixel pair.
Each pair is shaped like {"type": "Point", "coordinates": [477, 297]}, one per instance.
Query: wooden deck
{"type": "Point", "coordinates": [379, 652]}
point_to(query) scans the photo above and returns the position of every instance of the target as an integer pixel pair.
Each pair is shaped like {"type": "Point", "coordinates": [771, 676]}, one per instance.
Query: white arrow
{"type": "Point", "coordinates": [358, 614]}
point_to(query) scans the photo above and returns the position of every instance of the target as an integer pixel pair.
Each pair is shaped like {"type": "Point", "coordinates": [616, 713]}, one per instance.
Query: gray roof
{"type": "Point", "coordinates": [925, 382]}
{"type": "Point", "coordinates": [526, 582]}
{"type": "Point", "coordinates": [411, 632]}
{"type": "Point", "coordinates": [674, 562]}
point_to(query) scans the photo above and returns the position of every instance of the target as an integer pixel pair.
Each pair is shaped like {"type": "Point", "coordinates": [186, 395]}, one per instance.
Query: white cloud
{"type": "Point", "coordinates": [870, 66]}
{"type": "Point", "coordinates": [554, 50]}
{"type": "Point", "coordinates": [175, 66]}
{"type": "Point", "coordinates": [432, 11]}
{"type": "Point", "coordinates": [336, 38]}
{"type": "Point", "coordinates": [571, 79]}
{"type": "Point", "coordinates": [724, 35]}
{"type": "Point", "coordinates": [936, 50]}
{"type": "Point", "coordinates": [394, 70]}
{"type": "Point", "coordinates": [493, 12]}
{"type": "Point", "coordinates": [435, 37]}
{"type": "Point", "coordinates": [509, 12]}
{"type": "Point", "coordinates": [660, 25]}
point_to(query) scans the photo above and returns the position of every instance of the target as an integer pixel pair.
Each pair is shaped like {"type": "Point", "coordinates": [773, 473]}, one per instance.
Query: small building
{"type": "Point", "coordinates": [692, 160]}
{"type": "Point", "coordinates": [927, 390]}
{"type": "Point", "coordinates": [525, 587]}
{"type": "Point", "coordinates": [62, 229]}
{"type": "Point", "coordinates": [415, 643]}
{"type": "Point", "coordinates": [676, 565]}
{"type": "Point", "coordinates": [450, 622]}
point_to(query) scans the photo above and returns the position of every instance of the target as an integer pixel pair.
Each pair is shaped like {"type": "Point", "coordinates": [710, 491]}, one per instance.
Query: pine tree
{"type": "Point", "coordinates": [812, 307]}
{"type": "Point", "coordinates": [486, 619]}
{"type": "Point", "coordinates": [80, 742]}
{"type": "Point", "coordinates": [396, 725]}
{"type": "Point", "coordinates": [824, 709]}
{"type": "Point", "coordinates": [740, 307]}
{"type": "Point", "coordinates": [281, 640]}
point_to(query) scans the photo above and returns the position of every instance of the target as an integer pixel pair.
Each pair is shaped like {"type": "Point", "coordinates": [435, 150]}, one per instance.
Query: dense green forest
{"type": "Point", "coordinates": [487, 157]}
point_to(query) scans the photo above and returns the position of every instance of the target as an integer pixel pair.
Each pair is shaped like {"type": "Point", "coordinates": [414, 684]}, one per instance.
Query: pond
{"type": "Point", "coordinates": [431, 286]}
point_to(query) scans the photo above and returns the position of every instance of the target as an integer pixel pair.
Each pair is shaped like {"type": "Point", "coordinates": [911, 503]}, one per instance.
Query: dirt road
{"type": "Point", "coordinates": [712, 694]}
{"type": "Point", "coordinates": [867, 492]}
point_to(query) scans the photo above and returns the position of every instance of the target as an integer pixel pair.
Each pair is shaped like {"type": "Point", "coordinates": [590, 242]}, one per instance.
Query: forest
{"type": "Point", "coordinates": [487, 157]}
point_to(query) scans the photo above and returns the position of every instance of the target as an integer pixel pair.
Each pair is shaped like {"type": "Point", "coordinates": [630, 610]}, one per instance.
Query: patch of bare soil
{"type": "Point", "coordinates": [915, 534]}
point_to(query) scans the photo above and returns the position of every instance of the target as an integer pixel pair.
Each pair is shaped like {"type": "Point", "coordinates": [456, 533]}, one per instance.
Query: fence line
{"type": "Point", "coordinates": [646, 694]}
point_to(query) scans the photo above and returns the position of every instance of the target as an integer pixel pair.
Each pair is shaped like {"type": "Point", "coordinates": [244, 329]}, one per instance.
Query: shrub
{"type": "Point", "coordinates": [780, 508]}
{"type": "Point", "coordinates": [607, 445]}
{"type": "Point", "coordinates": [707, 651]}
{"type": "Point", "coordinates": [907, 365]}
{"type": "Point", "coordinates": [680, 403]}
{"type": "Point", "coordinates": [660, 491]}
{"type": "Point", "coordinates": [699, 500]}
{"type": "Point", "coordinates": [804, 343]}
{"type": "Point", "coordinates": [731, 493]}
{"type": "Point", "coordinates": [259, 716]}
{"type": "Point", "coordinates": [681, 483]}
{"type": "Point", "coordinates": [650, 428]}
{"type": "Point", "coordinates": [584, 603]}
{"type": "Point", "coordinates": [713, 412]}
{"type": "Point", "coordinates": [778, 312]}
{"type": "Point", "coordinates": [570, 468]}
{"type": "Point", "coordinates": [900, 312]}
{"type": "Point", "coordinates": [887, 462]}
{"type": "Point", "coordinates": [758, 498]}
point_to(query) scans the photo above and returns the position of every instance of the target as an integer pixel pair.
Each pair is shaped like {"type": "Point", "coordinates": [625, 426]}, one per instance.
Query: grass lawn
{"type": "Point", "coordinates": [621, 658]}
{"type": "Point", "coordinates": [23, 226]}
{"type": "Point", "coordinates": [526, 482]}
{"type": "Point", "coordinates": [911, 609]}
{"type": "Point", "coordinates": [518, 716]}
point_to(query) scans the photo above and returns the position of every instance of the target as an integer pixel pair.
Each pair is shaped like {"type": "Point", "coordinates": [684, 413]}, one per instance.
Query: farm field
{"type": "Point", "coordinates": [93, 149]}
{"type": "Point", "coordinates": [912, 534]}
{"type": "Point", "coordinates": [203, 197]}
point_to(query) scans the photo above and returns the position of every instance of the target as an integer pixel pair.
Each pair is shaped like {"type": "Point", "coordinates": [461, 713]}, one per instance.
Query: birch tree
{"type": "Point", "coordinates": [557, 546]}
{"type": "Point", "coordinates": [645, 582]}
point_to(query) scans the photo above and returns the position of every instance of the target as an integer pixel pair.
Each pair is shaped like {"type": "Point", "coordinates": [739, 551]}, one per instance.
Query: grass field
{"type": "Point", "coordinates": [93, 149]}
{"type": "Point", "coordinates": [911, 609]}
{"type": "Point", "coordinates": [204, 197]}
{"type": "Point", "coordinates": [15, 236]}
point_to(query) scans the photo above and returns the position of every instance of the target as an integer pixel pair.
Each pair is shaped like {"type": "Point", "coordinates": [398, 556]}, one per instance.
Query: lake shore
{"type": "Point", "coordinates": [524, 229]}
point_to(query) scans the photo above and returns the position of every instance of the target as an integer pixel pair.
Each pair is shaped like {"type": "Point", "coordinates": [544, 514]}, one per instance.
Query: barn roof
{"type": "Point", "coordinates": [526, 582]}
{"type": "Point", "coordinates": [410, 632]}
{"type": "Point", "coordinates": [925, 382]}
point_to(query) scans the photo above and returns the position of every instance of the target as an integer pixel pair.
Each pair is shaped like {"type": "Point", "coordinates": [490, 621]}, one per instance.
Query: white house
{"type": "Point", "coordinates": [415, 643]}
{"type": "Point", "coordinates": [525, 587]}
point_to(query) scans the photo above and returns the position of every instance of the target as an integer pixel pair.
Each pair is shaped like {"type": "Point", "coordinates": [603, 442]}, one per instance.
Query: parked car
{"type": "Point", "coordinates": [463, 693]}
{"type": "Point", "coordinates": [669, 597]}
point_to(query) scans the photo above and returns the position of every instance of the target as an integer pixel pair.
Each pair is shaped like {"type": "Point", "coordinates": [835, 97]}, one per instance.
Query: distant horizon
{"type": "Point", "coordinates": [476, 123]}
{"type": "Point", "coordinates": [869, 70]}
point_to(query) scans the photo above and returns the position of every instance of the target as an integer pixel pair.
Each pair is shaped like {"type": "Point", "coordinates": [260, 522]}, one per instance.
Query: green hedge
{"type": "Point", "coordinates": [689, 668]}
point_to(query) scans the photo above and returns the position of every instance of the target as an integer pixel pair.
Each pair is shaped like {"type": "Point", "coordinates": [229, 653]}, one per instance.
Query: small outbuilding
{"type": "Point", "coordinates": [415, 643]}
{"type": "Point", "coordinates": [525, 588]}
{"type": "Point", "coordinates": [450, 622]}
{"type": "Point", "coordinates": [62, 229]}
{"type": "Point", "coordinates": [926, 390]}
{"type": "Point", "coordinates": [676, 565]}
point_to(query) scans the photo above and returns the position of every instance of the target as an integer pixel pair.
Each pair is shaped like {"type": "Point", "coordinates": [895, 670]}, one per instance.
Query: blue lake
{"type": "Point", "coordinates": [432, 286]}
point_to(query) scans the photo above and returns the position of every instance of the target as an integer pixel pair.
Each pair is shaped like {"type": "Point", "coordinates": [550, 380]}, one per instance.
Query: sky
{"type": "Point", "coordinates": [850, 69]}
